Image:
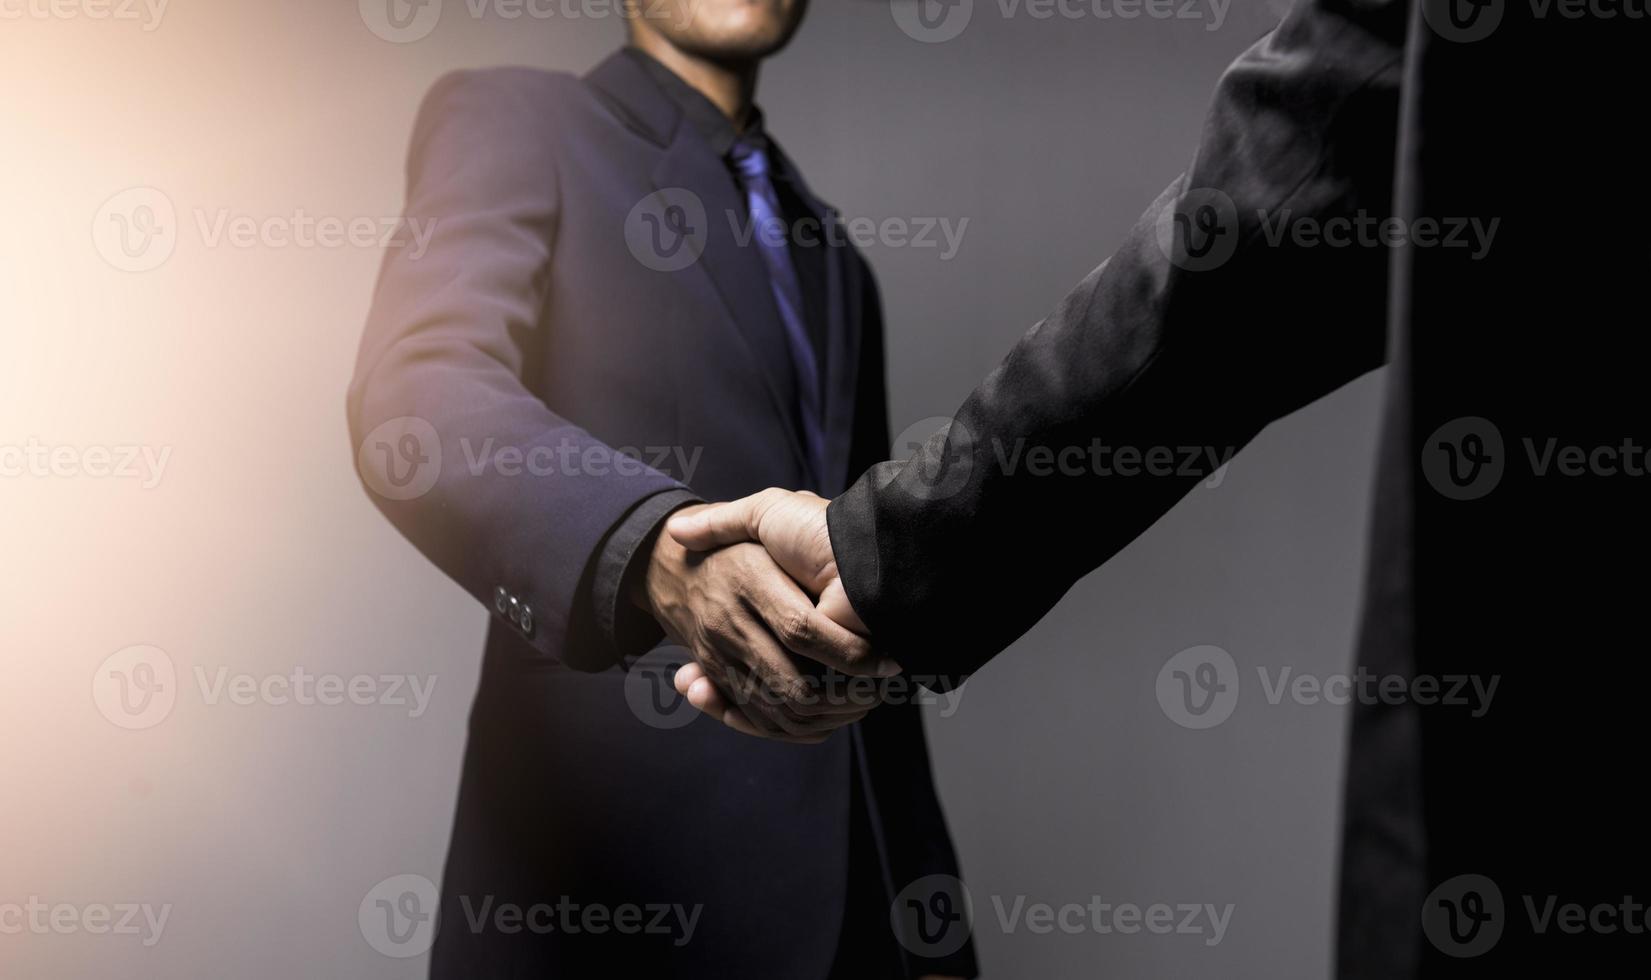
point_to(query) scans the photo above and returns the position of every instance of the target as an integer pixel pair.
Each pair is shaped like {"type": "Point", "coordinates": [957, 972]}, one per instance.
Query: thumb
{"type": "Point", "coordinates": [834, 603]}
{"type": "Point", "coordinates": [710, 526]}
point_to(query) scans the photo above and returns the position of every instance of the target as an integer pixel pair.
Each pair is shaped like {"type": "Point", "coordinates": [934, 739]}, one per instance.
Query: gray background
{"type": "Point", "coordinates": [264, 825]}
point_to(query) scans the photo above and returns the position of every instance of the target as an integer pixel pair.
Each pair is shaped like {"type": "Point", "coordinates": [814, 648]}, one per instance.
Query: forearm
{"type": "Point", "coordinates": [510, 499]}
{"type": "Point", "coordinates": [1154, 370]}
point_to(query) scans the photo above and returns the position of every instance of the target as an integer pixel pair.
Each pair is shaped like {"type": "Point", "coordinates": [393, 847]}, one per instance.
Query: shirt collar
{"type": "Point", "coordinates": [701, 113]}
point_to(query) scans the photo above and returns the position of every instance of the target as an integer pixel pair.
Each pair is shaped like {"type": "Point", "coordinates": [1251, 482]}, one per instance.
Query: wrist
{"type": "Point", "coordinates": [648, 591]}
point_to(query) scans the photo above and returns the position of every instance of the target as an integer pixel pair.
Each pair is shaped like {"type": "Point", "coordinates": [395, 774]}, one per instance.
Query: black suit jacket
{"type": "Point", "coordinates": [532, 322]}
{"type": "Point", "coordinates": [1200, 332]}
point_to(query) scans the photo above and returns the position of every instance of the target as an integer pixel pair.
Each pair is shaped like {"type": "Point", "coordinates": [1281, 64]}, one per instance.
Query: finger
{"type": "Point", "coordinates": [836, 607]}
{"type": "Point", "coordinates": [843, 700]}
{"type": "Point", "coordinates": [766, 687]}
{"type": "Point", "coordinates": [805, 630]}
{"type": "Point", "coordinates": [705, 697]}
{"type": "Point", "coordinates": [685, 677]}
{"type": "Point", "coordinates": [715, 525]}
{"type": "Point", "coordinates": [739, 688]}
{"type": "Point", "coordinates": [775, 693]}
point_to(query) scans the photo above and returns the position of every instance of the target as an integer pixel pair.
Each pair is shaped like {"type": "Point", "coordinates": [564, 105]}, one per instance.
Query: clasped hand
{"type": "Point", "coordinates": [749, 587]}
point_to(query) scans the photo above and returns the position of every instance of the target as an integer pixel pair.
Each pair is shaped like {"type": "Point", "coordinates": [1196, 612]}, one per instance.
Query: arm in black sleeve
{"type": "Point", "coordinates": [951, 556]}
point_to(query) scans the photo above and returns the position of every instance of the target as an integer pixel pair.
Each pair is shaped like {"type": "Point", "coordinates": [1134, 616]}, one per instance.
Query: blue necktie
{"type": "Point", "coordinates": [750, 160]}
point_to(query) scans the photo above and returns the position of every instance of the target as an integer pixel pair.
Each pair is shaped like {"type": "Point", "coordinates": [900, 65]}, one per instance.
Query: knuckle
{"type": "Point", "coordinates": [796, 628]}
{"type": "Point", "coordinates": [719, 623]}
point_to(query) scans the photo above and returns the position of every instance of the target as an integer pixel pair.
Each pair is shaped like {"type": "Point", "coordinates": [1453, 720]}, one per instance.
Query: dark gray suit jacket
{"type": "Point", "coordinates": [1486, 561]}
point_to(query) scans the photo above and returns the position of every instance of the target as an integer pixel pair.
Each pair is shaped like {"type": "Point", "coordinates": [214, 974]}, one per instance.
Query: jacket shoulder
{"type": "Point", "coordinates": [511, 81]}
{"type": "Point", "coordinates": [525, 108]}
{"type": "Point", "coordinates": [503, 90]}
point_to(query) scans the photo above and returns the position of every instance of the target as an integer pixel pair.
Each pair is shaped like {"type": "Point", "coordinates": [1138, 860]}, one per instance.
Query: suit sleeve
{"type": "Point", "coordinates": [453, 446]}
{"type": "Point", "coordinates": [1208, 323]}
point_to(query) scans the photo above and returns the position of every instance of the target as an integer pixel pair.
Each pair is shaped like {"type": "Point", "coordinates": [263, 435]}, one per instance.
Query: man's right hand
{"type": "Point", "coordinates": [791, 528]}
{"type": "Point", "coordinates": [743, 618]}
{"type": "Point", "coordinates": [791, 525]}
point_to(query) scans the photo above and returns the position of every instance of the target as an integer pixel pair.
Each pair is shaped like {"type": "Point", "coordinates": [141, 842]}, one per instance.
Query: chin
{"type": "Point", "coordinates": [738, 30]}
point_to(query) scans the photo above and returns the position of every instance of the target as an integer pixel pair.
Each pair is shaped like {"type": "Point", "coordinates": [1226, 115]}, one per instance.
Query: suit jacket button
{"type": "Point", "coordinates": [527, 619]}
{"type": "Point", "coordinates": [501, 599]}
{"type": "Point", "coordinates": [515, 612]}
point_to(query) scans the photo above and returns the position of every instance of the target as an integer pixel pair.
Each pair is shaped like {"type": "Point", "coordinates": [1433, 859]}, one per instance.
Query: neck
{"type": "Point", "coordinates": [731, 86]}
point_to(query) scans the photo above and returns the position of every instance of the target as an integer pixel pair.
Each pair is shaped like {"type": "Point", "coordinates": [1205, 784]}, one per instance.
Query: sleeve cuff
{"type": "Point", "coordinates": [628, 631]}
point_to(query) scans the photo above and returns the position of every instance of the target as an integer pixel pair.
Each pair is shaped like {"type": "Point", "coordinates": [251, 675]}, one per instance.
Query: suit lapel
{"type": "Point", "coordinates": [736, 270]}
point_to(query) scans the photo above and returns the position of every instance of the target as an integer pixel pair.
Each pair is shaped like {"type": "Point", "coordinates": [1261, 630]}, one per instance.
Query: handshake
{"type": "Point", "coordinates": [749, 587]}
